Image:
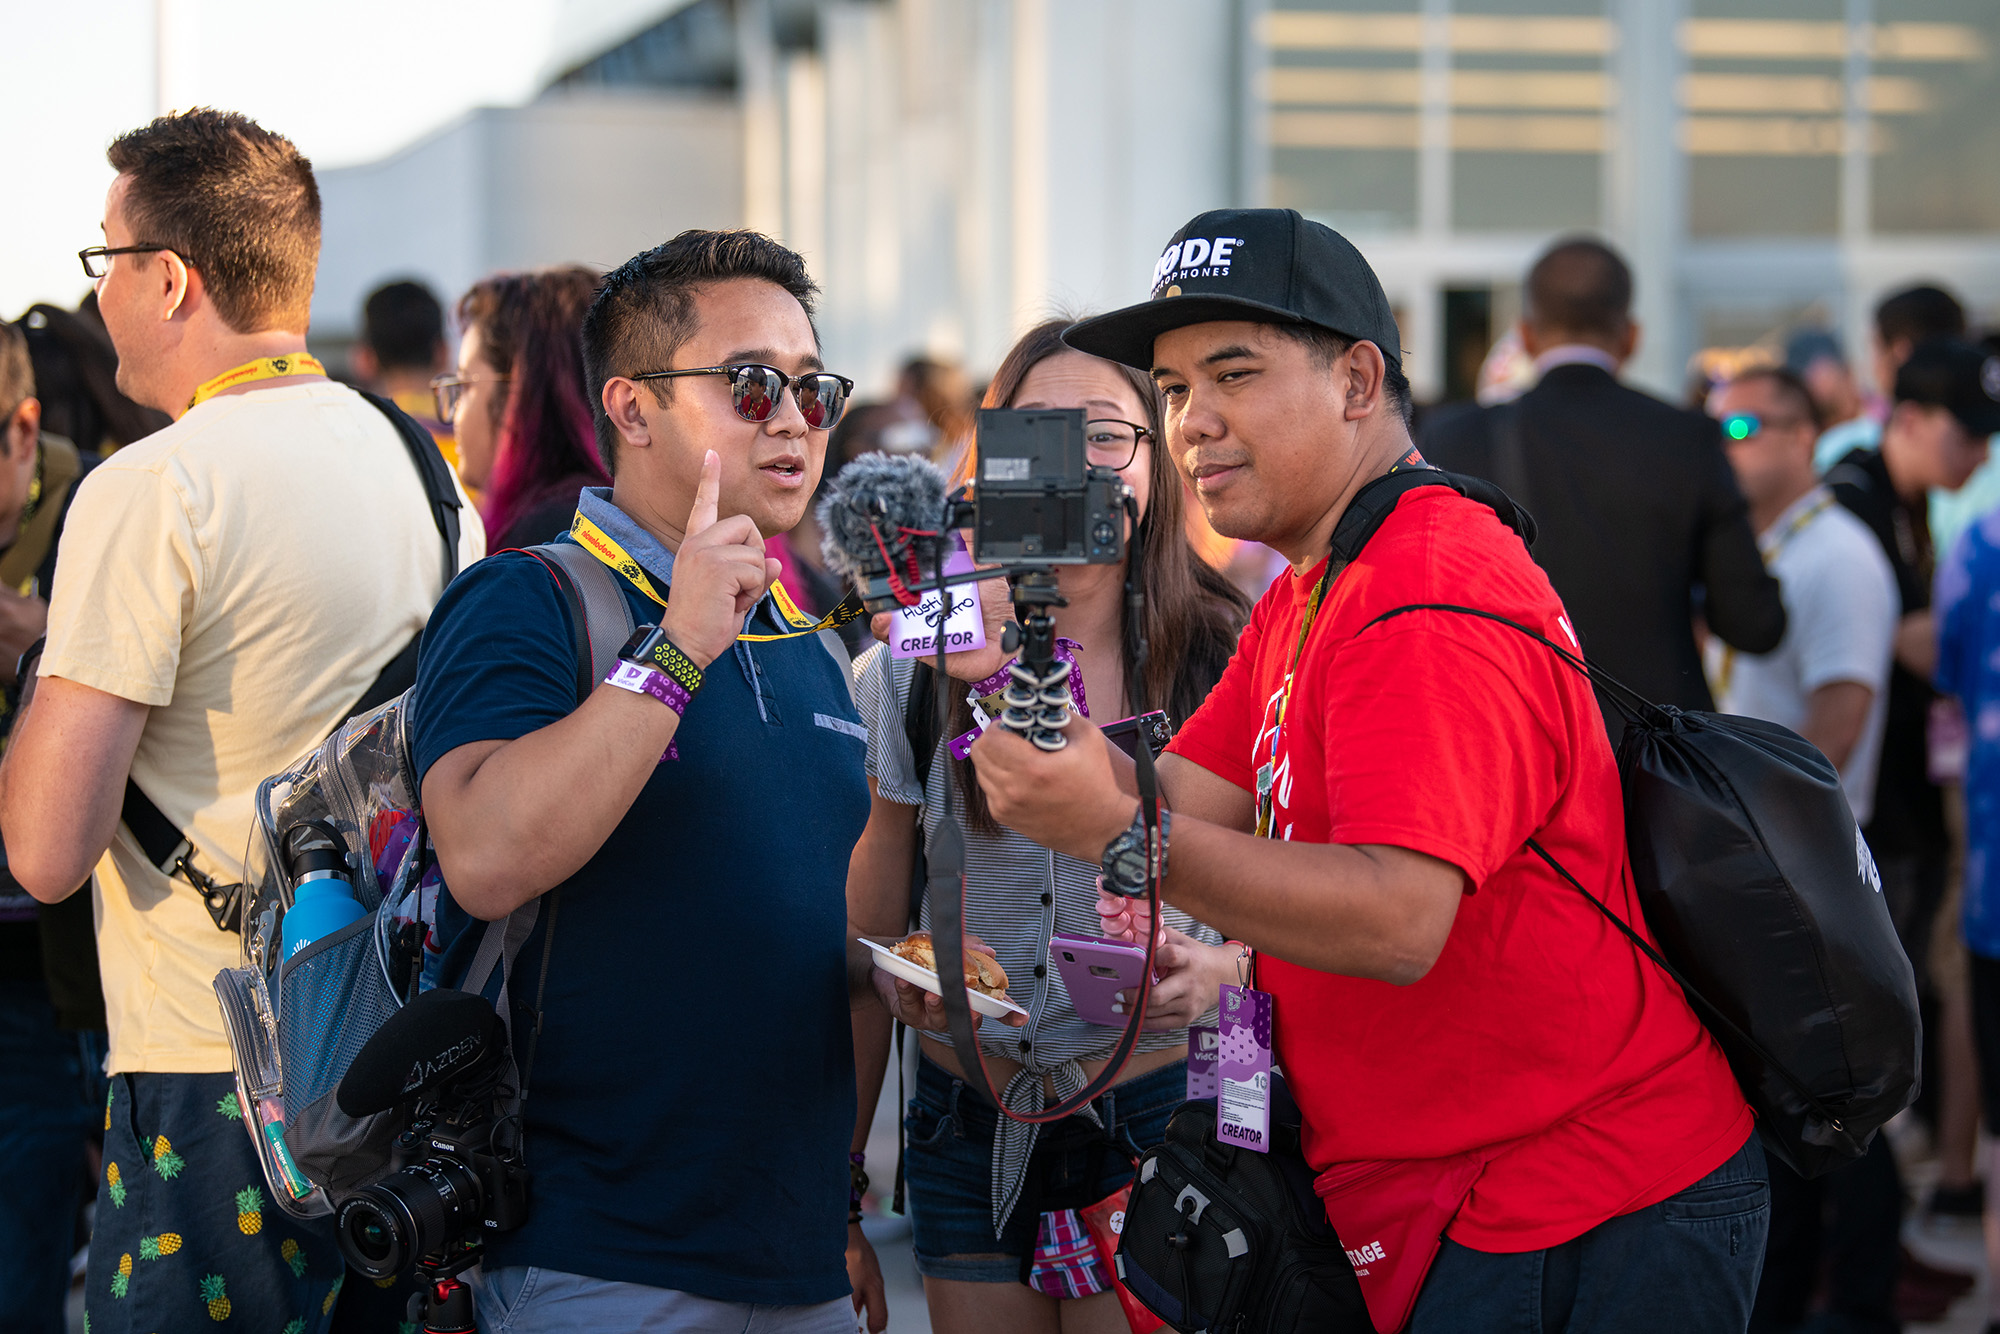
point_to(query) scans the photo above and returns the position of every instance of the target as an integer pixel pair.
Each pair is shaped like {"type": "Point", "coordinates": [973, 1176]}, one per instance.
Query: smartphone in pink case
{"type": "Point", "coordinates": [1094, 971]}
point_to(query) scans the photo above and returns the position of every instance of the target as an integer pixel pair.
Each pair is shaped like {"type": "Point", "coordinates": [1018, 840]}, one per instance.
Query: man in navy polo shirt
{"type": "Point", "coordinates": [696, 810]}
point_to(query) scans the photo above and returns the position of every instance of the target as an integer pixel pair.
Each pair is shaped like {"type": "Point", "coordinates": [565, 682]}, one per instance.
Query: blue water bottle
{"type": "Point", "coordinates": [322, 896]}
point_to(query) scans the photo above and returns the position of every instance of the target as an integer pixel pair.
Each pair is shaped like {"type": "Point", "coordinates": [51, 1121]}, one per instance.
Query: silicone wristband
{"type": "Point", "coordinates": [645, 679]}
{"type": "Point", "coordinates": [678, 666]}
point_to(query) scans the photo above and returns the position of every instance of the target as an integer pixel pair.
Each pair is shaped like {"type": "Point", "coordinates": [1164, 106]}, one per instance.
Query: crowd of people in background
{"type": "Point", "coordinates": [1798, 543]}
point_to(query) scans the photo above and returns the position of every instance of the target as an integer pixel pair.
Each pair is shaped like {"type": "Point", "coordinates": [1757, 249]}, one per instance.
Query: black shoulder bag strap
{"type": "Point", "coordinates": [1637, 708]}
{"type": "Point", "coordinates": [165, 844]}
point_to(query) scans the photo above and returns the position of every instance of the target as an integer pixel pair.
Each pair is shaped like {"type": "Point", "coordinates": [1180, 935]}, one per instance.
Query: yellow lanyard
{"type": "Point", "coordinates": [607, 549]}
{"type": "Point", "coordinates": [1726, 670]}
{"type": "Point", "coordinates": [264, 368]}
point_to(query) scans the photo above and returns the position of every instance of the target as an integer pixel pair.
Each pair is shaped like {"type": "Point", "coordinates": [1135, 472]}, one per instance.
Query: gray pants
{"type": "Point", "coordinates": [531, 1300]}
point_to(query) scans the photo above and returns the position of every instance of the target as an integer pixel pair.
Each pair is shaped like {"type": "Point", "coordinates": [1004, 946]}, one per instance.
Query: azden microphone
{"type": "Point", "coordinates": [442, 1037]}
{"type": "Point", "coordinates": [883, 517]}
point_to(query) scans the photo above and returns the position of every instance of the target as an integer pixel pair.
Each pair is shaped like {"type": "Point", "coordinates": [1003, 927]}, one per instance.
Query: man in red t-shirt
{"type": "Point", "coordinates": [1438, 990]}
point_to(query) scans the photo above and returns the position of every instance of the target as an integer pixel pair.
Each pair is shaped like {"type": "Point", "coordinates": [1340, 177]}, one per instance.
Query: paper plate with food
{"type": "Point", "coordinates": [915, 961]}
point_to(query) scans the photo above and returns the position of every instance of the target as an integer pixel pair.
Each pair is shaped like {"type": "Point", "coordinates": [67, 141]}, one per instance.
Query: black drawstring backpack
{"type": "Point", "coordinates": [1767, 905]}
{"type": "Point", "coordinates": [1765, 901]}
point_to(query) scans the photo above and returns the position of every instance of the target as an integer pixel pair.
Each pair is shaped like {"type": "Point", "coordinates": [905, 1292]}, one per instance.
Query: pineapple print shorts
{"type": "Point", "coordinates": [187, 1237]}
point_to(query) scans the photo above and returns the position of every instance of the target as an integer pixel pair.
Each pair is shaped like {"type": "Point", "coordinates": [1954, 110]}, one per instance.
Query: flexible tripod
{"type": "Point", "coordinates": [1035, 702]}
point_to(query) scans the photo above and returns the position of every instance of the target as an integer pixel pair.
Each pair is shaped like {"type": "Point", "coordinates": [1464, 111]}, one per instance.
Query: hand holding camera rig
{"type": "Point", "coordinates": [1037, 504]}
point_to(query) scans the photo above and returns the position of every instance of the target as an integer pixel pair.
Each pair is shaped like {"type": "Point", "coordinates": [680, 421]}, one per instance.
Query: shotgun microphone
{"type": "Point", "coordinates": [442, 1037]}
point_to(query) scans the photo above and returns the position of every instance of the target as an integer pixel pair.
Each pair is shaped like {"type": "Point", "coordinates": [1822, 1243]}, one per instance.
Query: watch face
{"type": "Point", "coordinates": [641, 644]}
{"type": "Point", "coordinates": [1128, 862]}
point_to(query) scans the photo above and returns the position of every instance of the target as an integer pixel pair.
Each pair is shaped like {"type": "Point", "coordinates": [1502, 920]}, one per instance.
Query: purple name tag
{"type": "Point", "coordinates": [1203, 1042]}
{"type": "Point", "coordinates": [1243, 1069]}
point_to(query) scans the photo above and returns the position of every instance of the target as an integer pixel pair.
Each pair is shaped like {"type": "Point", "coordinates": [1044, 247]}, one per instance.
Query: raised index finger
{"type": "Point", "coordinates": [706, 493]}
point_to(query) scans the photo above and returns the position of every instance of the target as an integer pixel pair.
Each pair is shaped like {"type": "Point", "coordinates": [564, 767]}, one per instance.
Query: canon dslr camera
{"type": "Point", "coordinates": [442, 1059]}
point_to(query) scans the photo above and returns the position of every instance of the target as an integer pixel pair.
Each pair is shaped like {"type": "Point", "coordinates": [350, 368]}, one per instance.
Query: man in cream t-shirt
{"type": "Point", "coordinates": [232, 585]}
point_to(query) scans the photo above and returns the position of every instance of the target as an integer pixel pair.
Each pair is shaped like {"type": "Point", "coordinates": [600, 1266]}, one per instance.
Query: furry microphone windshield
{"type": "Point", "coordinates": [872, 507]}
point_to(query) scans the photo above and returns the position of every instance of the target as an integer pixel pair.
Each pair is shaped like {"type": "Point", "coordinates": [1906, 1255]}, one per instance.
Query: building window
{"type": "Point", "coordinates": [1934, 82]}
{"type": "Point", "coordinates": [1762, 103]}
{"type": "Point", "coordinates": [1341, 94]}
{"type": "Point", "coordinates": [1529, 100]}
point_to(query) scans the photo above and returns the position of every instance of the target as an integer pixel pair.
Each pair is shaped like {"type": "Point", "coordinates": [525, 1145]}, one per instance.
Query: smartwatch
{"type": "Point", "coordinates": [650, 647]}
{"type": "Point", "coordinates": [1124, 859]}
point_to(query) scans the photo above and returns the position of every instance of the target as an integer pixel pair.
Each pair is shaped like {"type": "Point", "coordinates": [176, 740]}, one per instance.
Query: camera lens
{"type": "Point", "coordinates": [385, 1227]}
{"type": "Point", "coordinates": [372, 1235]}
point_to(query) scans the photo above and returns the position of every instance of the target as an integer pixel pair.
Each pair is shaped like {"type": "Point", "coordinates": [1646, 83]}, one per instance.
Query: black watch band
{"type": "Point", "coordinates": [650, 647]}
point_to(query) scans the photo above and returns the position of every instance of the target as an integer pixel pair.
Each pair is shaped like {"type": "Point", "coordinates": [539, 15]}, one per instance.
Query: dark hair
{"type": "Point", "coordinates": [1193, 612]}
{"type": "Point", "coordinates": [1326, 347]}
{"type": "Point", "coordinates": [17, 373]}
{"type": "Point", "coordinates": [235, 201]}
{"type": "Point", "coordinates": [1790, 385]}
{"type": "Point", "coordinates": [76, 379]}
{"type": "Point", "coordinates": [530, 326]}
{"type": "Point", "coordinates": [1918, 314]}
{"type": "Point", "coordinates": [644, 310]}
{"type": "Point", "coordinates": [1580, 286]}
{"type": "Point", "coordinates": [403, 325]}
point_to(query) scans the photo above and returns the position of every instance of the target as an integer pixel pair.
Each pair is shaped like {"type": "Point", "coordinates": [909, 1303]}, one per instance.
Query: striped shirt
{"type": "Point", "coordinates": [1017, 895]}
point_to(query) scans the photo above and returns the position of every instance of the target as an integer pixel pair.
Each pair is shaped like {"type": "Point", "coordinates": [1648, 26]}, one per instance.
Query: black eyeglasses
{"type": "Point", "coordinates": [96, 259]}
{"type": "Point", "coordinates": [1111, 443]}
{"type": "Point", "coordinates": [754, 390]}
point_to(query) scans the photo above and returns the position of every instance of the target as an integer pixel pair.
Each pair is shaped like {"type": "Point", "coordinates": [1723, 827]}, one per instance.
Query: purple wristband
{"type": "Point", "coordinates": [1065, 651]}
{"type": "Point", "coordinates": [643, 679]}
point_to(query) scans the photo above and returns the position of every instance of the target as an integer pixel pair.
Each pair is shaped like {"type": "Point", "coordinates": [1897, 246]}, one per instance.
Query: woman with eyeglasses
{"type": "Point", "coordinates": [995, 1202]}
{"type": "Point", "coordinates": [526, 441]}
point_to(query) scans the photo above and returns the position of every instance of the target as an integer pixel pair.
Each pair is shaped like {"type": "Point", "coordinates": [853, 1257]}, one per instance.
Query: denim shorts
{"type": "Point", "coordinates": [948, 1167]}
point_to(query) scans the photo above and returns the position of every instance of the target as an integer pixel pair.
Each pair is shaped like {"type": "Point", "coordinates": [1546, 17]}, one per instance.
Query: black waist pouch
{"type": "Point", "coordinates": [1222, 1239]}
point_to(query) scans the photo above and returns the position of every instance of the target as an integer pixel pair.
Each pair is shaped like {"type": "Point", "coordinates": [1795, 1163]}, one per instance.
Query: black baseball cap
{"type": "Point", "coordinates": [1266, 264]}
{"type": "Point", "coordinates": [1957, 375]}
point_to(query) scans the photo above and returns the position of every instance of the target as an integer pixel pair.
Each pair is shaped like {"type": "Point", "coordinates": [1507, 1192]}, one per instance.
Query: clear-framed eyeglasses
{"type": "Point", "coordinates": [448, 391]}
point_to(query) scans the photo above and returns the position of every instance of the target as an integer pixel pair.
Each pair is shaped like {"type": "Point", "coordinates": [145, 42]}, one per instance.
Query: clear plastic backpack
{"type": "Point", "coordinates": [296, 1024]}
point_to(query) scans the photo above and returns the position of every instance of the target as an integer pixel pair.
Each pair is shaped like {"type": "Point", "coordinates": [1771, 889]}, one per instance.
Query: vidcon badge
{"type": "Point", "coordinates": [1203, 1042]}
{"type": "Point", "coordinates": [1244, 1069]}
{"type": "Point", "coordinates": [914, 630]}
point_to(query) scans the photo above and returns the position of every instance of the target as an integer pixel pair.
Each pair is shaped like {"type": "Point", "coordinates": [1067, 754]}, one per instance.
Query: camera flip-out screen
{"type": "Point", "coordinates": [1034, 498]}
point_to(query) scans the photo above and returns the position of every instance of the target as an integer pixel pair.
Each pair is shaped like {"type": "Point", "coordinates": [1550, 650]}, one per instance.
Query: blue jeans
{"type": "Point", "coordinates": [1687, 1265]}
{"type": "Point", "coordinates": [527, 1299]}
{"type": "Point", "coordinates": [48, 1101]}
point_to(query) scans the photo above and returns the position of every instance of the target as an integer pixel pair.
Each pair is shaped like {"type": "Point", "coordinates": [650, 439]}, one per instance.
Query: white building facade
{"type": "Point", "coordinates": [955, 169]}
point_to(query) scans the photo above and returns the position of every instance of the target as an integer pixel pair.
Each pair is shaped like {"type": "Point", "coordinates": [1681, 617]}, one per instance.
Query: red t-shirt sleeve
{"type": "Point", "coordinates": [1220, 734]}
{"type": "Point", "coordinates": [1437, 741]}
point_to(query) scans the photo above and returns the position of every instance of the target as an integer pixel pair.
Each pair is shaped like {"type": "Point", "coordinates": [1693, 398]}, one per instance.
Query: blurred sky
{"type": "Point", "coordinates": [348, 82]}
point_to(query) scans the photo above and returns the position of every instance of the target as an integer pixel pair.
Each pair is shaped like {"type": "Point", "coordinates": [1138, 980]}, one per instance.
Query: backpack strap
{"type": "Point", "coordinates": [1374, 503]}
{"type": "Point", "coordinates": [601, 621]}
{"type": "Point", "coordinates": [165, 844]}
{"type": "Point", "coordinates": [599, 614]}
{"type": "Point", "coordinates": [1656, 715]}
{"type": "Point", "coordinates": [439, 490]}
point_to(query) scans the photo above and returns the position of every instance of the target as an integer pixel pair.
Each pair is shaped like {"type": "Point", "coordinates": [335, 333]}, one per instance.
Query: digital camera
{"type": "Point", "coordinates": [464, 1183]}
